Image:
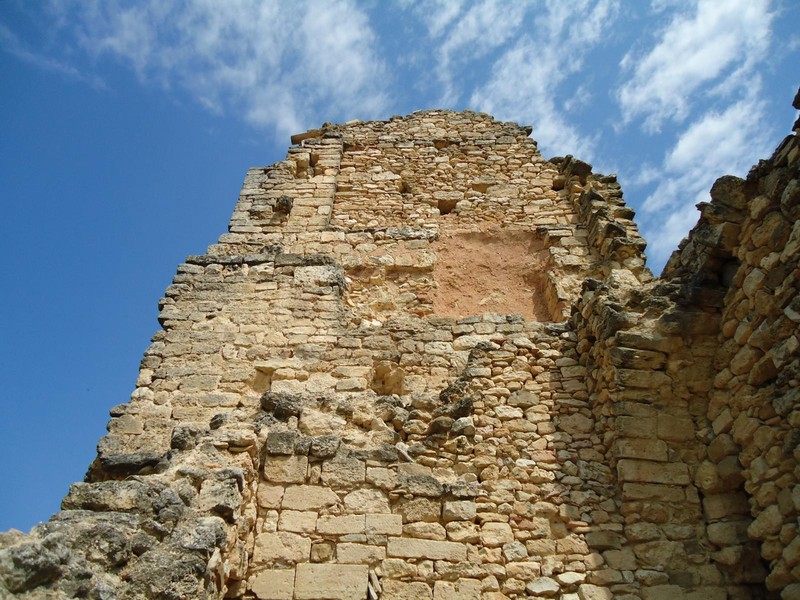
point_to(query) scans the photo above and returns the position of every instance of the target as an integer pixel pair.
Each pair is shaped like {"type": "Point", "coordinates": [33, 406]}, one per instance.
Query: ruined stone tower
{"type": "Point", "coordinates": [427, 363]}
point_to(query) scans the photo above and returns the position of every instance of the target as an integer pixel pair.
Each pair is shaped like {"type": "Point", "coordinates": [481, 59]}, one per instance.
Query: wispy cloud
{"type": "Point", "coordinates": [717, 143]}
{"type": "Point", "coordinates": [459, 34]}
{"type": "Point", "coordinates": [716, 44]}
{"type": "Point", "coordinates": [277, 63]}
{"type": "Point", "coordinates": [13, 45]}
{"type": "Point", "coordinates": [526, 79]}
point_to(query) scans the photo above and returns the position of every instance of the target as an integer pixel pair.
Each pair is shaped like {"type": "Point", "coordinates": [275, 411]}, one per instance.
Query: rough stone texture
{"type": "Point", "coordinates": [425, 362]}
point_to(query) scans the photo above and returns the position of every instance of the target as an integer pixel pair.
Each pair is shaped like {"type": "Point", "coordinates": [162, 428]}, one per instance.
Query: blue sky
{"type": "Point", "coordinates": [126, 129]}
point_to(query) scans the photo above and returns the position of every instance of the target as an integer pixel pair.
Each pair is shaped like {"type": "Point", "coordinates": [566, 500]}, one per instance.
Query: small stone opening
{"type": "Point", "coordinates": [498, 270]}
{"type": "Point", "coordinates": [446, 206]}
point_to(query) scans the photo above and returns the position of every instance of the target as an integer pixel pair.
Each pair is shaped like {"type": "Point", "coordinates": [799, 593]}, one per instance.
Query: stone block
{"type": "Point", "coordinates": [269, 496]}
{"type": "Point", "coordinates": [308, 497]}
{"type": "Point", "coordinates": [344, 473]}
{"type": "Point", "coordinates": [273, 584]}
{"type": "Point", "coordinates": [462, 589]}
{"type": "Point", "coordinates": [496, 534]}
{"type": "Point", "coordinates": [543, 586]}
{"type": "Point", "coordinates": [285, 469]}
{"type": "Point", "coordinates": [359, 553]}
{"type": "Point", "coordinates": [314, 422]}
{"type": "Point", "coordinates": [366, 501]}
{"type": "Point", "coordinates": [462, 531]}
{"type": "Point", "coordinates": [652, 491]}
{"type": "Point", "coordinates": [384, 524]}
{"type": "Point", "coordinates": [399, 590]}
{"type": "Point", "coordinates": [426, 549]}
{"type": "Point", "coordinates": [458, 510]}
{"type": "Point", "coordinates": [718, 506]}
{"type": "Point", "coordinates": [629, 469]}
{"type": "Point", "coordinates": [588, 591]}
{"type": "Point", "coordinates": [419, 509]}
{"type": "Point", "coordinates": [675, 429]}
{"type": "Point", "coordinates": [646, 449]}
{"type": "Point", "coordinates": [331, 582]}
{"type": "Point", "coordinates": [636, 427]}
{"type": "Point", "coordinates": [281, 549]}
{"type": "Point", "coordinates": [327, 524]}
{"type": "Point", "coordinates": [281, 442]}
{"type": "Point", "coordinates": [297, 521]}
{"type": "Point", "coordinates": [428, 531]}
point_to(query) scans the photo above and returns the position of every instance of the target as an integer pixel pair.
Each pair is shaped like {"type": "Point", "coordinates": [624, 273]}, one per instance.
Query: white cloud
{"type": "Point", "coordinates": [717, 143]}
{"type": "Point", "coordinates": [719, 44]}
{"type": "Point", "coordinates": [526, 82]}
{"type": "Point", "coordinates": [277, 63]}
{"type": "Point", "coordinates": [468, 36]}
{"type": "Point", "coordinates": [13, 45]}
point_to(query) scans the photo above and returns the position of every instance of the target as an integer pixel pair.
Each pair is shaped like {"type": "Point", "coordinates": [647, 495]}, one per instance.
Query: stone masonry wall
{"type": "Point", "coordinates": [424, 362]}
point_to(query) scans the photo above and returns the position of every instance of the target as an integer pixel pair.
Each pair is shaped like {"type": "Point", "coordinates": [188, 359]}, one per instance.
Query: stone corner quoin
{"type": "Point", "coordinates": [425, 362]}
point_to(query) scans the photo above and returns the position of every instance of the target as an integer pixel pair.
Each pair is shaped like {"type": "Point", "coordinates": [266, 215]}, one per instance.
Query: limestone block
{"type": "Point", "coordinates": [636, 378]}
{"type": "Point", "coordinates": [315, 422]}
{"type": "Point", "coordinates": [576, 423]}
{"type": "Point", "coordinates": [461, 531]}
{"type": "Point", "coordinates": [328, 524]}
{"type": "Point", "coordinates": [281, 442]}
{"type": "Point", "coordinates": [428, 531]}
{"type": "Point", "coordinates": [587, 591]}
{"type": "Point", "coordinates": [297, 521]}
{"type": "Point", "coordinates": [308, 497]}
{"type": "Point", "coordinates": [426, 549]}
{"type": "Point", "coordinates": [282, 548]}
{"type": "Point", "coordinates": [570, 578]}
{"type": "Point", "coordinates": [514, 551]}
{"type": "Point", "coordinates": [636, 427]}
{"type": "Point", "coordinates": [269, 496]}
{"type": "Point", "coordinates": [344, 472]}
{"type": "Point", "coordinates": [674, 429]}
{"type": "Point", "coordinates": [524, 571]}
{"type": "Point", "coordinates": [285, 469]}
{"type": "Point", "coordinates": [419, 509]}
{"type": "Point", "coordinates": [717, 506]}
{"type": "Point", "coordinates": [397, 568]}
{"type": "Point", "coordinates": [382, 477]}
{"type": "Point", "coordinates": [273, 585]}
{"type": "Point", "coordinates": [544, 586]}
{"type": "Point", "coordinates": [767, 523]}
{"type": "Point", "coordinates": [458, 510]}
{"type": "Point", "coordinates": [331, 581]}
{"type": "Point", "coordinates": [647, 449]}
{"type": "Point", "coordinates": [629, 469]}
{"type": "Point", "coordinates": [462, 589]}
{"type": "Point", "coordinates": [398, 590]}
{"type": "Point", "coordinates": [496, 534]}
{"type": "Point", "coordinates": [387, 524]}
{"type": "Point", "coordinates": [359, 553]}
{"type": "Point", "coordinates": [366, 501]}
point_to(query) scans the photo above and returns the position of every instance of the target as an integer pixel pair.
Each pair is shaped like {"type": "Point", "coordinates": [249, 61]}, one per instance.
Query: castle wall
{"type": "Point", "coordinates": [426, 363]}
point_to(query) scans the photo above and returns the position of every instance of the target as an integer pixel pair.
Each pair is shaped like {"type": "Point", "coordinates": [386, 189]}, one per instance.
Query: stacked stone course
{"type": "Point", "coordinates": [320, 418]}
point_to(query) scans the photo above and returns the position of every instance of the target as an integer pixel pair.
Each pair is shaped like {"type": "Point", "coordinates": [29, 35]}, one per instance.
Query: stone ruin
{"type": "Point", "coordinates": [427, 363]}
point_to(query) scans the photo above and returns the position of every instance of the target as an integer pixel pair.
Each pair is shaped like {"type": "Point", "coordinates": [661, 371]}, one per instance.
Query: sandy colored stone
{"type": "Point", "coordinates": [285, 469]}
{"type": "Point", "coordinates": [426, 549]}
{"type": "Point", "coordinates": [332, 582]}
{"type": "Point", "coordinates": [308, 497]}
{"type": "Point", "coordinates": [273, 585]}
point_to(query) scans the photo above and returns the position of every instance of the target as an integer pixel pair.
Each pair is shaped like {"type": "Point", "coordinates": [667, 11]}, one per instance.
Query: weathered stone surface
{"type": "Point", "coordinates": [308, 497]}
{"type": "Point", "coordinates": [334, 582]}
{"type": "Point", "coordinates": [426, 549]}
{"type": "Point", "coordinates": [423, 349]}
{"type": "Point", "coordinates": [273, 585]}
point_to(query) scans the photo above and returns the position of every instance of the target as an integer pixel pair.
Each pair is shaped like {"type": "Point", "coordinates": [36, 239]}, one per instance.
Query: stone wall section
{"type": "Point", "coordinates": [320, 417]}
